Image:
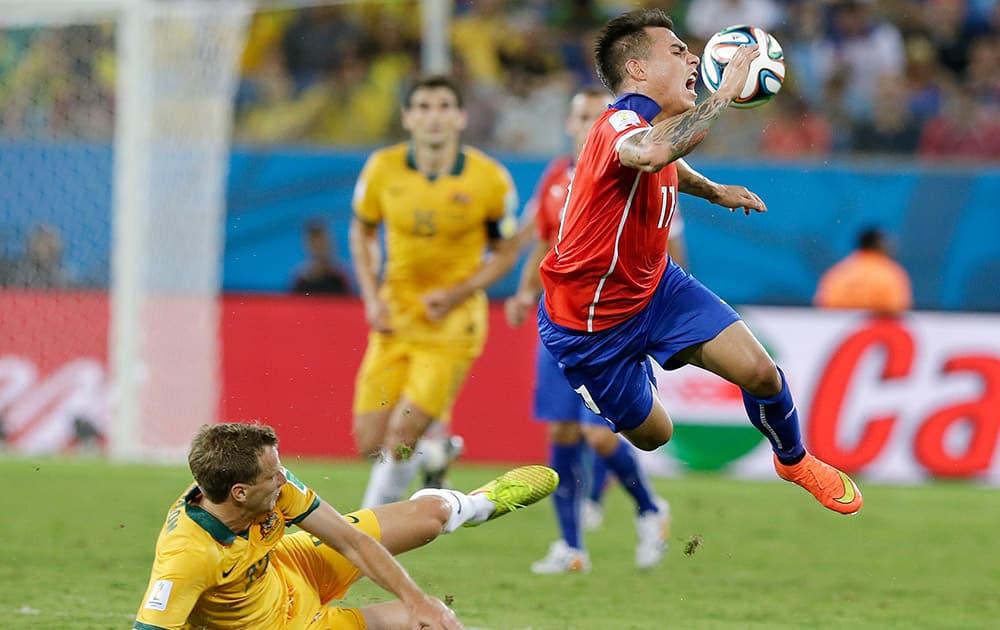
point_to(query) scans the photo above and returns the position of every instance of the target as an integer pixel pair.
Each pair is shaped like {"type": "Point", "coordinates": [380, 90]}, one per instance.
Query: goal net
{"type": "Point", "coordinates": [115, 119]}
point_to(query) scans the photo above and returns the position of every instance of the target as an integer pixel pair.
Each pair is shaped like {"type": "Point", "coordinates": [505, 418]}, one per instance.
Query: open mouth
{"type": "Point", "coordinates": [692, 81]}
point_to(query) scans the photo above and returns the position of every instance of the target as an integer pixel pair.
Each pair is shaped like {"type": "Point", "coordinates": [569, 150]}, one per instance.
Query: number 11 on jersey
{"type": "Point", "coordinates": [669, 199]}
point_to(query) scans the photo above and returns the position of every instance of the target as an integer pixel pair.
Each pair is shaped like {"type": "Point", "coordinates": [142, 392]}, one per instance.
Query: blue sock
{"type": "Point", "coordinates": [625, 465]}
{"type": "Point", "coordinates": [567, 461]}
{"type": "Point", "coordinates": [598, 477]}
{"type": "Point", "coordinates": [778, 420]}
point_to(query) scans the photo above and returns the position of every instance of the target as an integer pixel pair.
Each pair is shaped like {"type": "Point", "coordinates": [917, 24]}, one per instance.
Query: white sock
{"type": "Point", "coordinates": [482, 508]}
{"type": "Point", "coordinates": [462, 508]}
{"type": "Point", "coordinates": [389, 480]}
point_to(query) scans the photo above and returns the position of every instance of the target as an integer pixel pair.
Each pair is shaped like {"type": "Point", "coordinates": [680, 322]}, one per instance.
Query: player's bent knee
{"type": "Point", "coordinates": [445, 506]}
{"type": "Point", "coordinates": [763, 379]}
{"type": "Point", "coordinates": [432, 505]}
{"type": "Point", "coordinates": [647, 443]}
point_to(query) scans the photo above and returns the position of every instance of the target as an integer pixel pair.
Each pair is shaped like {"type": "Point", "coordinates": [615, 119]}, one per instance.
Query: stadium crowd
{"type": "Point", "coordinates": [897, 77]}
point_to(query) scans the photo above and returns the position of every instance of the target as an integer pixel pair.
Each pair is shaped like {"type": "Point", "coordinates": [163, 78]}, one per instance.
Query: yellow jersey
{"type": "Point", "coordinates": [437, 231]}
{"type": "Point", "coordinates": [206, 576]}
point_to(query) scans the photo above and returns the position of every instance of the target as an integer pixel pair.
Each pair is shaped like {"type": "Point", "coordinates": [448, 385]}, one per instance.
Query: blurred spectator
{"type": "Point", "coordinates": [707, 17]}
{"type": "Point", "coordinates": [321, 273]}
{"type": "Point", "coordinates": [479, 35]}
{"type": "Point", "coordinates": [60, 84]}
{"type": "Point", "coordinates": [857, 50]}
{"type": "Point", "coordinates": [982, 75]}
{"type": "Point", "coordinates": [737, 133]}
{"type": "Point", "coordinates": [317, 41]}
{"type": "Point", "coordinates": [799, 37]}
{"type": "Point", "coordinates": [481, 101]}
{"type": "Point", "coordinates": [867, 279]}
{"type": "Point", "coordinates": [270, 111]}
{"type": "Point", "coordinates": [794, 130]}
{"type": "Point", "coordinates": [948, 25]}
{"type": "Point", "coordinates": [344, 106]}
{"type": "Point", "coordinates": [267, 31]}
{"type": "Point", "coordinates": [964, 130]}
{"type": "Point", "coordinates": [518, 60]}
{"type": "Point", "coordinates": [40, 266]}
{"type": "Point", "coordinates": [892, 129]}
{"type": "Point", "coordinates": [535, 92]}
{"type": "Point", "coordinates": [927, 80]}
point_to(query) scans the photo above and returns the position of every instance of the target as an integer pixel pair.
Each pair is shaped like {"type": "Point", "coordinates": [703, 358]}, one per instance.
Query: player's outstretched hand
{"type": "Point", "coordinates": [734, 77]}
{"type": "Point", "coordinates": [433, 614]}
{"type": "Point", "coordinates": [736, 197]}
{"type": "Point", "coordinates": [516, 307]}
{"type": "Point", "coordinates": [377, 314]}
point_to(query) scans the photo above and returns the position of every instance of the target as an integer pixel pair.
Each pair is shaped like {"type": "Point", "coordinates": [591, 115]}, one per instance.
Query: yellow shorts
{"type": "Point", "coordinates": [428, 375]}
{"type": "Point", "coordinates": [316, 575]}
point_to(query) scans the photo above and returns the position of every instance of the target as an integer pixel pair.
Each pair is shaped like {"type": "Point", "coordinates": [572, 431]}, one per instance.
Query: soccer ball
{"type": "Point", "coordinates": [766, 73]}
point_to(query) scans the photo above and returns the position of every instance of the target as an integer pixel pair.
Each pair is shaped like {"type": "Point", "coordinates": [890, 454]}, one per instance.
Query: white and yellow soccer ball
{"type": "Point", "coordinates": [766, 74]}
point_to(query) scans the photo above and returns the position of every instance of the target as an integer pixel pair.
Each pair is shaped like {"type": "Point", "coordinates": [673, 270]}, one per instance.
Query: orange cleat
{"type": "Point", "coordinates": [831, 487]}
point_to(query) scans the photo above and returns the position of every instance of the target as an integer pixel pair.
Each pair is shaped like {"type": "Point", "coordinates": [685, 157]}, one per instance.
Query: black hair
{"type": "Point", "coordinates": [625, 38]}
{"type": "Point", "coordinates": [432, 81]}
{"type": "Point", "coordinates": [871, 238]}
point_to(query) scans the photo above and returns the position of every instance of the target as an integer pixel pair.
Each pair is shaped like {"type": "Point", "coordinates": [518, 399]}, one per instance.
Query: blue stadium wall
{"type": "Point", "coordinates": [946, 221]}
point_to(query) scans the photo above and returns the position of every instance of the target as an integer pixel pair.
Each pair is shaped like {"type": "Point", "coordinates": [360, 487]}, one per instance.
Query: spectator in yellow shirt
{"type": "Point", "coordinates": [867, 279]}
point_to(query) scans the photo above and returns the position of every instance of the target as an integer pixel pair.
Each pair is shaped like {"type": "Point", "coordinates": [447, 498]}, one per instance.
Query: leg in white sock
{"type": "Point", "coordinates": [465, 508]}
{"type": "Point", "coordinates": [389, 480]}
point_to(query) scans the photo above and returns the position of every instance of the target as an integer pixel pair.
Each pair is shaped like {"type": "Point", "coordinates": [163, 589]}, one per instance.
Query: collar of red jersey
{"type": "Point", "coordinates": [638, 103]}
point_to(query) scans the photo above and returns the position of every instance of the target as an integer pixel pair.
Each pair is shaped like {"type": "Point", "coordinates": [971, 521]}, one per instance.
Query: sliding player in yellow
{"type": "Point", "coordinates": [224, 561]}
{"type": "Point", "coordinates": [442, 206]}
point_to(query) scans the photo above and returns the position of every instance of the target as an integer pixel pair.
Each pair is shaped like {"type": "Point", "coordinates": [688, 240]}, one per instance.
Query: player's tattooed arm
{"type": "Point", "coordinates": [672, 138]}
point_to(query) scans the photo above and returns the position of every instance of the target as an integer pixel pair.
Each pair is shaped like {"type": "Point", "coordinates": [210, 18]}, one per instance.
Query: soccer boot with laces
{"type": "Point", "coordinates": [831, 487]}
{"type": "Point", "coordinates": [561, 559]}
{"type": "Point", "coordinates": [517, 488]}
{"type": "Point", "coordinates": [653, 530]}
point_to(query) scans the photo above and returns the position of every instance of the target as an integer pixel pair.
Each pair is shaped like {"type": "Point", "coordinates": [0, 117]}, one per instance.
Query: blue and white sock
{"type": "Point", "coordinates": [598, 477]}
{"type": "Point", "coordinates": [567, 461]}
{"type": "Point", "coordinates": [625, 465]}
{"type": "Point", "coordinates": [777, 419]}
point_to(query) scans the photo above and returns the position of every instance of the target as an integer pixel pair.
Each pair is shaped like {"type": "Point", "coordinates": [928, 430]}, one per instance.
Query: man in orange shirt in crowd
{"type": "Point", "coordinates": [867, 279]}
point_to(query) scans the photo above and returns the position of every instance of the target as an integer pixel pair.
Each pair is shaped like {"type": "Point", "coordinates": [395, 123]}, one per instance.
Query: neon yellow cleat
{"type": "Point", "coordinates": [518, 488]}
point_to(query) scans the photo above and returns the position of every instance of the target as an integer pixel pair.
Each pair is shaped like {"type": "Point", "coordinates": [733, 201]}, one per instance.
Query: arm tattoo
{"type": "Point", "coordinates": [685, 131]}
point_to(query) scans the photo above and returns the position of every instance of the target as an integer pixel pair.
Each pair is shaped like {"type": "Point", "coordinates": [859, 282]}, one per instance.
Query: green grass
{"type": "Point", "coordinates": [78, 537]}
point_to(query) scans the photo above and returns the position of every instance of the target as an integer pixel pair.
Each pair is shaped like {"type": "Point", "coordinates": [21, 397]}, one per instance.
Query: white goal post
{"type": "Point", "coordinates": [175, 77]}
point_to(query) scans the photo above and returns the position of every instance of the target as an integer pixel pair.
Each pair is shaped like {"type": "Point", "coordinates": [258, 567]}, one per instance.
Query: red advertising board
{"type": "Point", "coordinates": [894, 400]}
{"type": "Point", "coordinates": [291, 362]}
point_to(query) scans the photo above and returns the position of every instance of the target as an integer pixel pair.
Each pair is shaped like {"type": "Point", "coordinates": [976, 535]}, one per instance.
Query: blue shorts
{"type": "Point", "coordinates": [610, 368]}
{"type": "Point", "coordinates": [555, 400]}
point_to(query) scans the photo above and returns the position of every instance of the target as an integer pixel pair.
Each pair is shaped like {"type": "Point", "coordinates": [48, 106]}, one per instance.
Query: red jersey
{"type": "Point", "coordinates": [611, 246]}
{"type": "Point", "coordinates": [550, 198]}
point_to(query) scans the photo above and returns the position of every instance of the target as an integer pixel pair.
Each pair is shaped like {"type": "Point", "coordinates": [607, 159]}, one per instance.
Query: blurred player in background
{"type": "Point", "coordinates": [442, 205]}
{"type": "Point", "coordinates": [612, 298]}
{"type": "Point", "coordinates": [223, 559]}
{"type": "Point", "coordinates": [572, 427]}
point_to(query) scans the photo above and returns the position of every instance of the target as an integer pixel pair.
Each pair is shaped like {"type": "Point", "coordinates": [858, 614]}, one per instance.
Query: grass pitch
{"type": "Point", "coordinates": [78, 538]}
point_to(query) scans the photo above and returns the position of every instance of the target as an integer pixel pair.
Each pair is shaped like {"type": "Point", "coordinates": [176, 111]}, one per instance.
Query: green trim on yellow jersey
{"type": "Point", "coordinates": [298, 519]}
{"type": "Point", "coordinates": [456, 170]}
{"type": "Point", "coordinates": [210, 524]}
{"type": "Point", "coordinates": [145, 626]}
